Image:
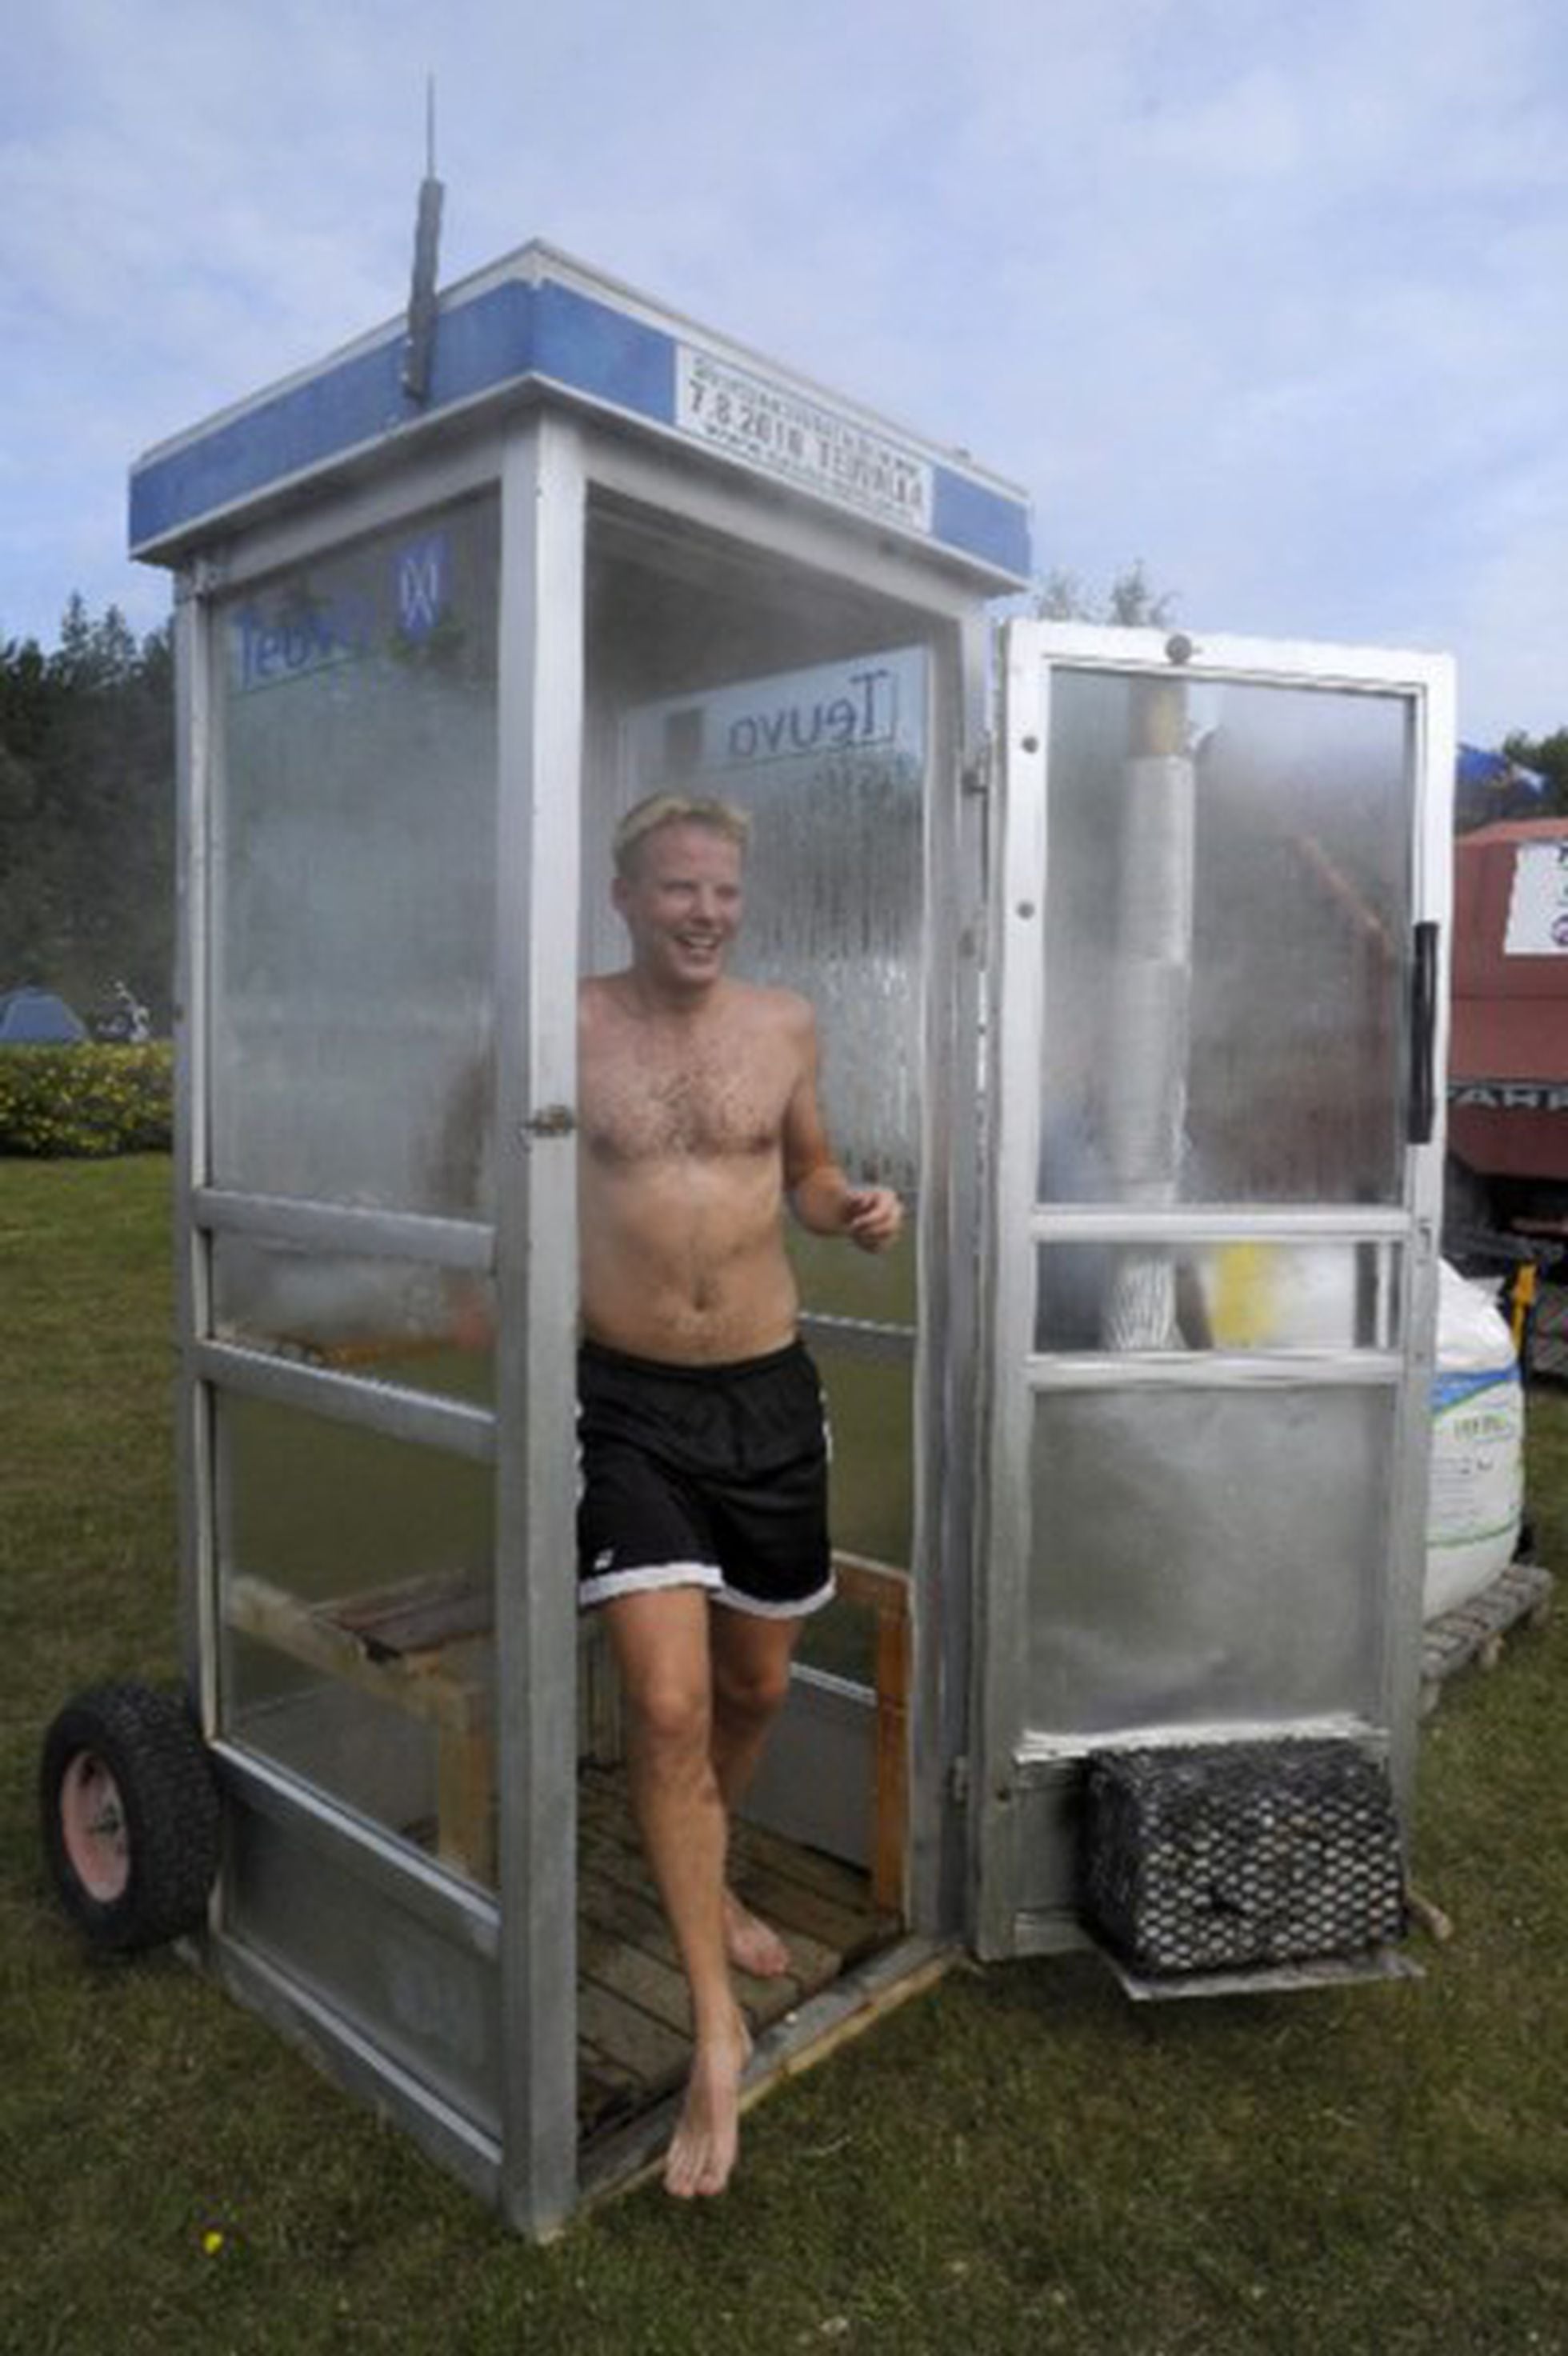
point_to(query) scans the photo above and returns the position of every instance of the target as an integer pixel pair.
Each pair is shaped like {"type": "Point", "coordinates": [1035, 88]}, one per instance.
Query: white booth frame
{"type": "Point", "coordinates": [547, 464]}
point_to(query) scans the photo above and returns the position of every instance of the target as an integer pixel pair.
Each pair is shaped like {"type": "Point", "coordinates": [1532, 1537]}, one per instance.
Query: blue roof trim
{"type": "Point", "coordinates": [478, 346]}
{"type": "Point", "coordinates": [604, 353]}
{"type": "Point", "coordinates": [980, 521]}
{"type": "Point", "coordinates": [514, 331]}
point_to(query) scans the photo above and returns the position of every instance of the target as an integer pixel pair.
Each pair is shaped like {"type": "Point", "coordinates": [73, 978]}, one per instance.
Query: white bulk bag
{"type": "Point", "coordinates": [1475, 1499]}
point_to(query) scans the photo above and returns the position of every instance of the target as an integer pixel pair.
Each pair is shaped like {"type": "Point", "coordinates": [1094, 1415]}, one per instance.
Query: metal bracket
{"type": "Point", "coordinates": [975, 776]}
{"type": "Point", "coordinates": [202, 577]}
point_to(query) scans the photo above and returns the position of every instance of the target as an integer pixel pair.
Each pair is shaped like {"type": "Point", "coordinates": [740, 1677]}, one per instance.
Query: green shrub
{"type": "Point", "coordinates": [90, 1101]}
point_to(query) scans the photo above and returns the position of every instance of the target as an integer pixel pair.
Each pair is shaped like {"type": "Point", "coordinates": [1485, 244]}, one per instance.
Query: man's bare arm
{"type": "Point", "coordinates": [822, 1197]}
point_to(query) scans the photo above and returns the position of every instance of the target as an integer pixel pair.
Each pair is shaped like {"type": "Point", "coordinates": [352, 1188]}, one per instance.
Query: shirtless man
{"type": "Point", "coordinates": [702, 1528]}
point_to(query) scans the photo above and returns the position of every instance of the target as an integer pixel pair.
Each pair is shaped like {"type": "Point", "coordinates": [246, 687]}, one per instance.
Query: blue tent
{"type": "Point", "coordinates": [1489, 785]}
{"type": "Point", "coordinates": [31, 1017]}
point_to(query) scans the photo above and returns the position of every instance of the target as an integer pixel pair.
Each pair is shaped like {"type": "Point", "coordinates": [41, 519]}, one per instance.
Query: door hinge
{"type": "Point", "coordinates": [958, 1779]}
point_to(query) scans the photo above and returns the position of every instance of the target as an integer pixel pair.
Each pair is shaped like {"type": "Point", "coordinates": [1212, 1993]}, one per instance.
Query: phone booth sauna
{"type": "Point", "coordinates": [1133, 996]}
{"type": "Point", "coordinates": [429, 651]}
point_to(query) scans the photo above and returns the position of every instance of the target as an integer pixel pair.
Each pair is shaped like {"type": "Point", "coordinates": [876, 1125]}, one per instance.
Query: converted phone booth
{"type": "Point", "coordinates": [1131, 987]}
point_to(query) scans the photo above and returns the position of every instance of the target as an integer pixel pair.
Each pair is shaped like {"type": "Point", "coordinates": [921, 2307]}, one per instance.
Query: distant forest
{"type": "Point", "coordinates": [87, 814]}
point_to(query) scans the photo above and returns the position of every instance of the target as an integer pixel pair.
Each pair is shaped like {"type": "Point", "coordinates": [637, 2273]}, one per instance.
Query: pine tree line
{"type": "Point", "coordinates": [87, 814]}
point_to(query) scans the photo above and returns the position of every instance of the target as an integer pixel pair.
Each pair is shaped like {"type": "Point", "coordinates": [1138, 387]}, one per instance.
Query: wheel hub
{"type": "Point", "coordinates": [93, 1828]}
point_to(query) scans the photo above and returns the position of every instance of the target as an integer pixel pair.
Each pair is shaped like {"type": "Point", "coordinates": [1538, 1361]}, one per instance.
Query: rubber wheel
{"type": "Point", "coordinates": [130, 1815]}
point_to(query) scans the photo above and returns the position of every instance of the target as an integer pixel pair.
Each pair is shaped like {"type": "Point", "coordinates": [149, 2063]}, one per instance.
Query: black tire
{"type": "Point", "coordinates": [130, 1816]}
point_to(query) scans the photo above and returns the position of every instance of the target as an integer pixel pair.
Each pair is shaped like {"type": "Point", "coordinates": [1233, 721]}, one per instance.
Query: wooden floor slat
{"type": "Point", "coordinates": [630, 1971]}
{"type": "Point", "coordinates": [634, 2044]}
{"type": "Point", "coordinates": [644, 2047]}
{"type": "Point", "coordinates": [829, 1875]}
{"type": "Point", "coordinates": [817, 1934]}
{"type": "Point", "coordinates": [802, 1916]}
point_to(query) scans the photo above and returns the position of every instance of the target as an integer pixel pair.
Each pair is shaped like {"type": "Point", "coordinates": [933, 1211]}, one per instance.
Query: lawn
{"type": "Point", "coordinates": [1018, 2161]}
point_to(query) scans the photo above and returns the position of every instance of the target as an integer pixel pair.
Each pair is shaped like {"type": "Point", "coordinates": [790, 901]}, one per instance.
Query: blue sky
{"type": "Point", "coordinates": [1272, 298]}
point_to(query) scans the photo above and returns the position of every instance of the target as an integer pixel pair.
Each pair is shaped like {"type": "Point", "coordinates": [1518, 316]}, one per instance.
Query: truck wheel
{"type": "Point", "coordinates": [130, 1816]}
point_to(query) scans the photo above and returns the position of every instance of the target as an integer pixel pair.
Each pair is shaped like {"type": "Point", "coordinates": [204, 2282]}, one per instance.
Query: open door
{"type": "Point", "coordinates": [1214, 1170]}
{"type": "Point", "coordinates": [828, 758]}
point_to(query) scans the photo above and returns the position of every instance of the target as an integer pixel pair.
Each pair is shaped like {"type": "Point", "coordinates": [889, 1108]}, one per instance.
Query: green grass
{"type": "Point", "coordinates": [1020, 2161]}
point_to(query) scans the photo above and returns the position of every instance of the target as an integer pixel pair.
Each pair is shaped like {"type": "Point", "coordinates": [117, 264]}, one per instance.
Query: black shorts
{"type": "Point", "coordinates": [704, 1476]}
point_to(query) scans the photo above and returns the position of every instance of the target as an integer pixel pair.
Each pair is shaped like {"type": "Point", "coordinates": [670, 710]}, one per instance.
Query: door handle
{"type": "Point", "coordinates": [1422, 1117]}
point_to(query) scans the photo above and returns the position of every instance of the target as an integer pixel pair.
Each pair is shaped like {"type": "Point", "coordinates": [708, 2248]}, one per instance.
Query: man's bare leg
{"type": "Point", "coordinates": [751, 1658]}
{"type": "Point", "coordinates": [661, 1645]}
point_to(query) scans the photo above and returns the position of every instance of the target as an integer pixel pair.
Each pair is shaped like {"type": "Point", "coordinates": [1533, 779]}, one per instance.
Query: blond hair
{"type": "Point", "coordinates": [656, 810]}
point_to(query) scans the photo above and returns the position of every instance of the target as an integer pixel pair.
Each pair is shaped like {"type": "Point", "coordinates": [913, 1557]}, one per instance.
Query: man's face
{"type": "Point", "coordinates": [682, 904]}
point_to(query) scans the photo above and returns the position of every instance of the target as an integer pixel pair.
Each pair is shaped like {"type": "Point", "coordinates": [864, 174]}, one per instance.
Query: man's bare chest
{"type": "Point", "coordinates": [643, 1102]}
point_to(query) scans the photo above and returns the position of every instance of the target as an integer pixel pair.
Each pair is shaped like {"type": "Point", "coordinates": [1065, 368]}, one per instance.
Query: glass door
{"type": "Point", "coordinates": [1213, 1189]}
{"type": "Point", "coordinates": [810, 711]}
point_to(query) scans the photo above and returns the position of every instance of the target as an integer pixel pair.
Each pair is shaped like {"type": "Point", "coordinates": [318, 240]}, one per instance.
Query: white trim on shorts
{"type": "Point", "coordinates": [800, 1609]}
{"type": "Point", "coordinates": [649, 1577]}
{"type": "Point", "coordinates": [643, 1578]}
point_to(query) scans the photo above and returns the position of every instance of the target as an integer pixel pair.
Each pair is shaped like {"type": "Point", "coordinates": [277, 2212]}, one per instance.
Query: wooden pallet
{"type": "Point", "coordinates": [1474, 1631]}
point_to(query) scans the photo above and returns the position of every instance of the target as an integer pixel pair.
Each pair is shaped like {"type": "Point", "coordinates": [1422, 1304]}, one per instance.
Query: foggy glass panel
{"type": "Point", "coordinates": [354, 873]}
{"type": "Point", "coordinates": [1206, 1556]}
{"type": "Point", "coordinates": [1244, 1296]}
{"type": "Point", "coordinates": [870, 1402]}
{"type": "Point", "coordinates": [841, 1639]}
{"type": "Point", "coordinates": [830, 763]}
{"type": "Point", "coordinates": [868, 1380]}
{"type": "Point", "coordinates": [1227, 920]}
{"type": "Point", "coordinates": [354, 1583]}
{"type": "Point", "coordinates": [838, 1280]}
{"type": "Point", "coordinates": [418, 1992]}
{"type": "Point", "coordinates": [871, 1418]}
{"type": "Point", "coordinates": [389, 1321]}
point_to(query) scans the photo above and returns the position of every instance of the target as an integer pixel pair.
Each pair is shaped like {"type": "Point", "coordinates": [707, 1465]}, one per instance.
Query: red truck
{"type": "Point", "coordinates": [1508, 1071]}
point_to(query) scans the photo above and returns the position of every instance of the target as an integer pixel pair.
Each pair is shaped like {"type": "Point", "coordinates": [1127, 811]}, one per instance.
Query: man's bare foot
{"type": "Point", "coordinates": [703, 2149]}
{"type": "Point", "coordinates": [751, 1944]}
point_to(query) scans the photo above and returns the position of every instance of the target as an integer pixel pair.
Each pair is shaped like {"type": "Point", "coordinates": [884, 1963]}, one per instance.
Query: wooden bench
{"type": "Point", "coordinates": [422, 1647]}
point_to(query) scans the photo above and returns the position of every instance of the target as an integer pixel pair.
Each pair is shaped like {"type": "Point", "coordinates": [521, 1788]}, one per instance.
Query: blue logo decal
{"type": "Point", "coordinates": [424, 575]}
{"type": "Point", "coordinates": [310, 635]}
{"type": "Point", "coordinates": [867, 714]}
